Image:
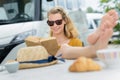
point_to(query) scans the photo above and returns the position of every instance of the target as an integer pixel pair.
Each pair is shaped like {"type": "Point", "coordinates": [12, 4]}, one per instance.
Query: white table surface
{"type": "Point", "coordinates": [60, 72]}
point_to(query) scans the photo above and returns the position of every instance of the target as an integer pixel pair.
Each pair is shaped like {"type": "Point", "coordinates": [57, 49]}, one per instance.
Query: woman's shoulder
{"type": "Point", "coordinates": [75, 42]}
{"type": "Point", "coordinates": [75, 39]}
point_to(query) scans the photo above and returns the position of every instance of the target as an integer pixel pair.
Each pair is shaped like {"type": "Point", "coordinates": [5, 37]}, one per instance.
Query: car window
{"type": "Point", "coordinates": [11, 11]}
{"type": "Point", "coordinates": [90, 25]}
{"type": "Point", "coordinates": [97, 22]}
{"type": "Point", "coordinates": [94, 20]}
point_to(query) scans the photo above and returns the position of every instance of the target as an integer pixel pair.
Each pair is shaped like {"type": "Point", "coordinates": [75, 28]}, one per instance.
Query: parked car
{"type": "Point", "coordinates": [18, 20]}
{"type": "Point", "coordinates": [93, 20]}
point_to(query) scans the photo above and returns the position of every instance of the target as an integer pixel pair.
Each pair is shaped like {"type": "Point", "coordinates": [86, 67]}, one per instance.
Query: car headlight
{"type": "Point", "coordinates": [22, 36]}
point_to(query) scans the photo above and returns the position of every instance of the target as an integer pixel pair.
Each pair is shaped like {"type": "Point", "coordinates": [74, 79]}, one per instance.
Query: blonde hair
{"type": "Point", "coordinates": [69, 29]}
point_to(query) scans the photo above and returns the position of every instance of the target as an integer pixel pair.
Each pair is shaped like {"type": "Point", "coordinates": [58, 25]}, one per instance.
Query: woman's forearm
{"type": "Point", "coordinates": [75, 52]}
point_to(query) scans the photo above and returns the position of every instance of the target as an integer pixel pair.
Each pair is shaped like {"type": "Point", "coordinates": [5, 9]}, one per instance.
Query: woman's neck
{"type": "Point", "coordinates": [61, 39]}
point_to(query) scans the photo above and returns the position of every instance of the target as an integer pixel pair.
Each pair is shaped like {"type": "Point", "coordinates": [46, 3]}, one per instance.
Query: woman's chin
{"type": "Point", "coordinates": [56, 32]}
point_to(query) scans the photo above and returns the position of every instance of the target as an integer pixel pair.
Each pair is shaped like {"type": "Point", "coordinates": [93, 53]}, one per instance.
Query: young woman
{"type": "Point", "coordinates": [98, 40]}
{"type": "Point", "coordinates": [62, 27]}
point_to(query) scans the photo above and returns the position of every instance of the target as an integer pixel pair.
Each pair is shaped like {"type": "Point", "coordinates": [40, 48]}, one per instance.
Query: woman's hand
{"type": "Point", "coordinates": [64, 50]}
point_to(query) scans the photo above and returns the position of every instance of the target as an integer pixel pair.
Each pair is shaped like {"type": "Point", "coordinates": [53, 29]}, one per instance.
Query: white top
{"type": "Point", "coordinates": [60, 72]}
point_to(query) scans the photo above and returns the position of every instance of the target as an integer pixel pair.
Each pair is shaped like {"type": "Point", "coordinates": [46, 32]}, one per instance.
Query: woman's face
{"type": "Point", "coordinates": [56, 23]}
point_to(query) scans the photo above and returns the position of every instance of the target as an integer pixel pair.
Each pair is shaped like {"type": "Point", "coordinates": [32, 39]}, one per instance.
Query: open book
{"type": "Point", "coordinates": [50, 43]}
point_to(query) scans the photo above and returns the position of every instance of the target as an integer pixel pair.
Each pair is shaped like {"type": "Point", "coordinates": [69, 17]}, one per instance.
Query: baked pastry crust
{"type": "Point", "coordinates": [83, 64]}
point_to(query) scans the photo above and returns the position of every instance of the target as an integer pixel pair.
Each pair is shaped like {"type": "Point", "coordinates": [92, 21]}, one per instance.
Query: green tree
{"type": "Point", "coordinates": [89, 10]}
{"type": "Point", "coordinates": [112, 4]}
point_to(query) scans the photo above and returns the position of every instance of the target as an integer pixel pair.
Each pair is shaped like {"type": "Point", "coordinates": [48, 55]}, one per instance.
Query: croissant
{"type": "Point", "coordinates": [83, 64]}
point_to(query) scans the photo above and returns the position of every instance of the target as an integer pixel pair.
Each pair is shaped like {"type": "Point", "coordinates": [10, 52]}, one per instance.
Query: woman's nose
{"type": "Point", "coordinates": [55, 25]}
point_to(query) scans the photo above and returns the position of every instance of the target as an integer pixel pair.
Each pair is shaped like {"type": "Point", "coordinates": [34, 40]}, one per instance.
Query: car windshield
{"type": "Point", "coordinates": [12, 11]}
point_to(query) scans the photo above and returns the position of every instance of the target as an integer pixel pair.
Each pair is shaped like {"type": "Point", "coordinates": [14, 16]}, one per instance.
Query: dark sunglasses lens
{"type": "Point", "coordinates": [50, 23]}
{"type": "Point", "coordinates": [58, 22]}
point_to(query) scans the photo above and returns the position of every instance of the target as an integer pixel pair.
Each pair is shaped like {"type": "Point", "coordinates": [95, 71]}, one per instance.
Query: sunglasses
{"type": "Point", "coordinates": [51, 23]}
